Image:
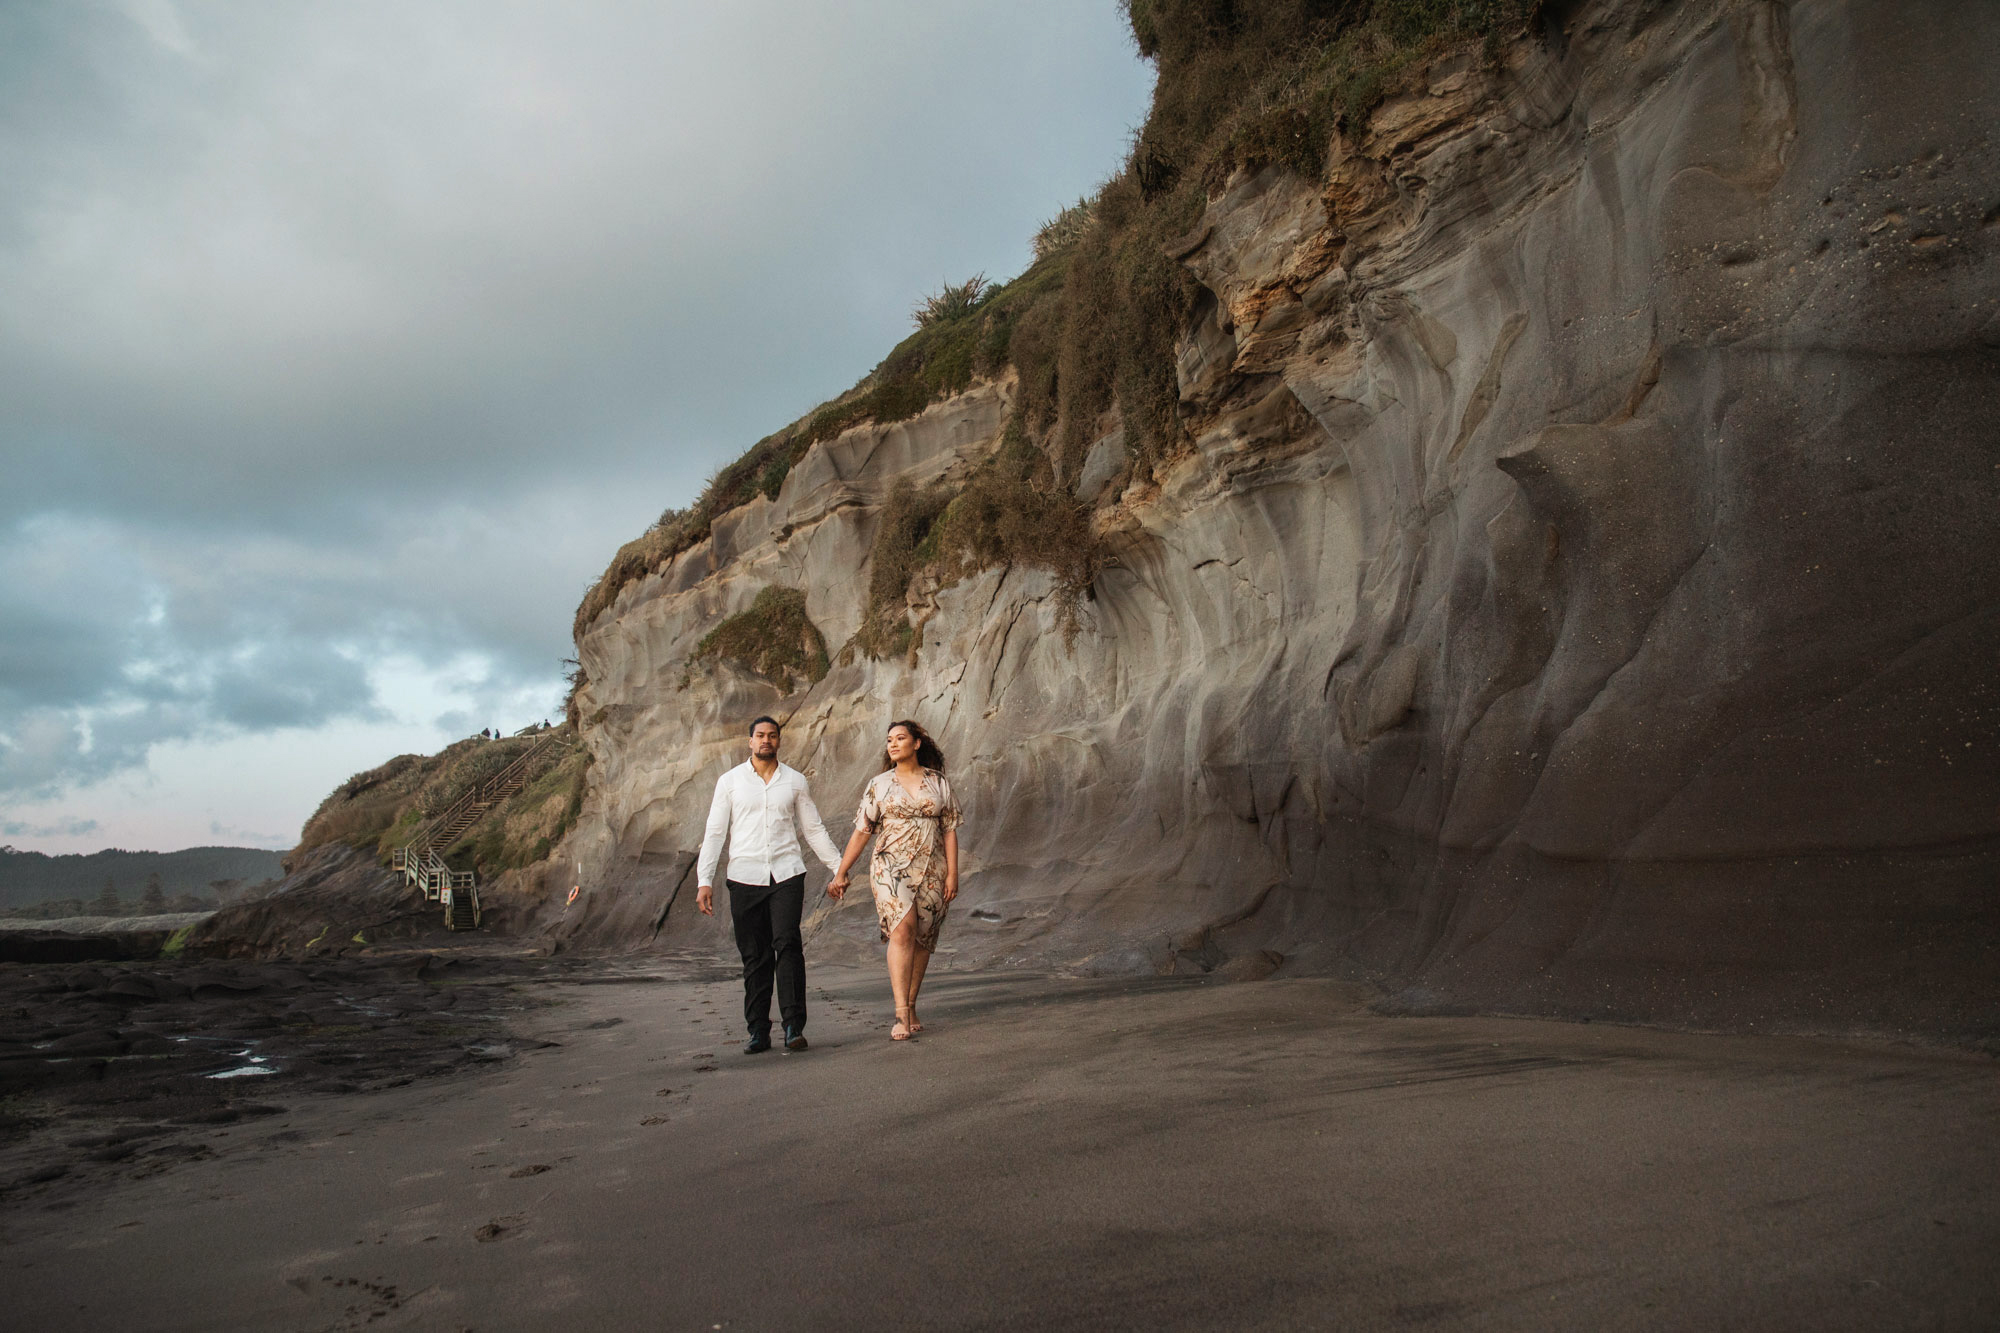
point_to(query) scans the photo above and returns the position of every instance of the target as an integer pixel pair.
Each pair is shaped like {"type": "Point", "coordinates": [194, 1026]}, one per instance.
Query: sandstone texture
{"type": "Point", "coordinates": [1581, 596]}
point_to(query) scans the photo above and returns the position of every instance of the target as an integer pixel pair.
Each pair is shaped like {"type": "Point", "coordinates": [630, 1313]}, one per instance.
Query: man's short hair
{"type": "Point", "coordinates": [776, 725]}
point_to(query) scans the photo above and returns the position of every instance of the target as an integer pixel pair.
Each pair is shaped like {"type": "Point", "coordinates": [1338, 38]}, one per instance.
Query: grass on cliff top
{"type": "Point", "coordinates": [773, 637]}
{"type": "Point", "coordinates": [381, 809]}
{"type": "Point", "coordinates": [1251, 82]}
{"type": "Point", "coordinates": [938, 360]}
{"type": "Point", "coordinates": [1091, 326]}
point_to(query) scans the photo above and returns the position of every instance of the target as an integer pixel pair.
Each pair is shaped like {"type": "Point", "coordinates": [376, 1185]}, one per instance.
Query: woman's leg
{"type": "Point", "coordinates": [921, 959]}
{"type": "Point", "coordinates": [902, 951]}
{"type": "Point", "coordinates": [930, 912]}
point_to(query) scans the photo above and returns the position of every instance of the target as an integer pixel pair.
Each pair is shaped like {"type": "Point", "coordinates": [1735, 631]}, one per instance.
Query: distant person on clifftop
{"type": "Point", "coordinates": [914, 875]}
{"type": "Point", "coordinates": [763, 807]}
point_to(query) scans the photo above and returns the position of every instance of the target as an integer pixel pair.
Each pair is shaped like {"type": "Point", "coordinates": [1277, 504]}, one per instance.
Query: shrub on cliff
{"type": "Point", "coordinates": [774, 637]}
{"type": "Point", "coordinates": [1014, 511]}
{"type": "Point", "coordinates": [1011, 510]}
{"type": "Point", "coordinates": [1063, 230]}
{"type": "Point", "coordinates": [1244, 84]}
{"type": "Point", "coordinates": [907, 519]}
{"type": "Point", "coordinates": [955, 300]}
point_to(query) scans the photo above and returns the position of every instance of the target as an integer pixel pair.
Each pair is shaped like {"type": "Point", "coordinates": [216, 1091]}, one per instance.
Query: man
{"type": "Point", "coordinates": [763, 807]}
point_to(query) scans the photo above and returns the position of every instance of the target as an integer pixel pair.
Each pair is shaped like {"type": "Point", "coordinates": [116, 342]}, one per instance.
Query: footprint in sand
{"type": "Point", "coordinates": [654, 1120]}
{"type": "Point", "coordinates": [498, 1227]}
{"type": "Point", "coordinates": [532, 1170]}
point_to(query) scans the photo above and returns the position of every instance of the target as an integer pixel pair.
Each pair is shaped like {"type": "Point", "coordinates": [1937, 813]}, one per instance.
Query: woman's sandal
{"type": "Point", "coordinates": [901, 1031]}
{"type": "Point", "coordinates": [915, 1025]}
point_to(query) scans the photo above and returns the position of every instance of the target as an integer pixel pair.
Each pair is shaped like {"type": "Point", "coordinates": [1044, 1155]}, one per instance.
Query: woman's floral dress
{"type": "Point", "coordinates": [908, 870]}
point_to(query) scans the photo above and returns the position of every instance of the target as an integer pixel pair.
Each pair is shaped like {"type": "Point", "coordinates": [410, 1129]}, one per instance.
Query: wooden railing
{"type": "Point", "coordinates": [427, 870]}
{"type": "Point", "coordinates": [418, 861]}
{"type": "Point", "coordinates": [483, 794]}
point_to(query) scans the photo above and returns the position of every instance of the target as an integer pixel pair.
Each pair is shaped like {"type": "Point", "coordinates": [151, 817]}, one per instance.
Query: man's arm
{"type": "Point", "coordinates": [806, 814]}
{"type": "Point", "coordinates": [711, 846]}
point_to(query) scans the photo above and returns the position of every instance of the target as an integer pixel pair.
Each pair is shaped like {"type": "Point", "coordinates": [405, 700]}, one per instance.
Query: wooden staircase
{"type": "Point", "coordinates": [420, 862]}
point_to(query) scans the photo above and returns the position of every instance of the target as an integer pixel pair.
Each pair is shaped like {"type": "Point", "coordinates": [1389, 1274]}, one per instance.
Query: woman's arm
{"type": "Point", "coordinates": [855, 842]}
{"type": "Point", "coordinates": [950, 864]}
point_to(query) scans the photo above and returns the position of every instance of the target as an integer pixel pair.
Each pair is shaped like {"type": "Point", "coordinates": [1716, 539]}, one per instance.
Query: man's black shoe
{"type": "Point", "coordinates": [795, 1038]}
{"type": "Point", "coordinates": [757, 1044]}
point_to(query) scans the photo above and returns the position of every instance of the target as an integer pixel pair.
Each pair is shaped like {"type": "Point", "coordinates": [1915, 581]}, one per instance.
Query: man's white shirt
{"type": "Point", "coordinates": [762, 821]}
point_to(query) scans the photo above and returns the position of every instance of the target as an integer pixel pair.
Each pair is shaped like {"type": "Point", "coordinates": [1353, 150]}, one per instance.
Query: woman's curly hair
{"type": "Point", "coordinates": [928, 753]}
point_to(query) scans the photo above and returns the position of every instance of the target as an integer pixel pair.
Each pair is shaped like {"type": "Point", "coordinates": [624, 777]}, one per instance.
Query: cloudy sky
{"type": "Point", "coordinates": [341, 345]}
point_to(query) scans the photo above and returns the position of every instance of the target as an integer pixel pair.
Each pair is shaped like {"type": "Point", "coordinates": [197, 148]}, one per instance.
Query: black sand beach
{"type": "Point", "coordinates": [585, 1147]}
{"type": "Point", "coordinates": [114, 1069]}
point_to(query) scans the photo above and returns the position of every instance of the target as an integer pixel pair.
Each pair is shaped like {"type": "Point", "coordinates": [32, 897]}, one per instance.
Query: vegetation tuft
{"type": "Point", "coordinates": [1065, 229]}
{"type": "Point", "coordinates": [1010, 510]}
{"type": "Point", "coordinates": [907, 520]}
{"type": "Point", "coordinates": [955, 300]}
{"type": "Point", "coordinates": [1249, 84]}
{"type": "Point", "coordinates": [774, 638]}
{"type": "Point", "coordinates": [576, 678]}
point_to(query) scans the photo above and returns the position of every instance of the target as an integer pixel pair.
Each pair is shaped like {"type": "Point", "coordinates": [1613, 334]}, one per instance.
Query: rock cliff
{"type": "Point", "coordinates": [1577, 591]}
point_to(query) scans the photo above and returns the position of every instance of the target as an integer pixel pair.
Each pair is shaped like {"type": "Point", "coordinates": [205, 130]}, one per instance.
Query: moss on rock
{"type": "Point", "coordinates": [774, 638]}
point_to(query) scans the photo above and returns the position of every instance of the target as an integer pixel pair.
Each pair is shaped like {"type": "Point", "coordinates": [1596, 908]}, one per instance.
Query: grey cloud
{"type": "Point", "coordinates": [356, 243]}
{"type": "Point", "coordinates": [44, 750]}
{"type": "Point", "coordinates": [119, 636]}
{"type": "Point", "coordinates": [48, 658]}
{"type": "Point", "coordinates": [291, 685]}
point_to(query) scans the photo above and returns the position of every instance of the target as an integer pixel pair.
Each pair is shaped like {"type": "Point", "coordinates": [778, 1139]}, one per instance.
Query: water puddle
{"type": "Point", "coordinates": [252, 1066]}
{"type": "Point", "coordinates": [242, 1071]}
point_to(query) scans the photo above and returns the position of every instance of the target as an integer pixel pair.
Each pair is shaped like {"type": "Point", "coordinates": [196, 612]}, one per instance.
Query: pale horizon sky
{"type": "Point", "coordinates": [344, 345]}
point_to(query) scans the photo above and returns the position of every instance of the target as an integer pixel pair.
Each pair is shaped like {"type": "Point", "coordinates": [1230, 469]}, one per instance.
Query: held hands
{"type": "Point", "coordinates": [704, 898]}
{"type": "Point", "coordinates": [838, 886]}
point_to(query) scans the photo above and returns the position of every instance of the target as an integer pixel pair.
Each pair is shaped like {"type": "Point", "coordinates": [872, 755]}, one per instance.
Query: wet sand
{"type": "Point", "coordinates": [1053, 1153]}
{"type": "Point", "coordinates": [110, 1068]}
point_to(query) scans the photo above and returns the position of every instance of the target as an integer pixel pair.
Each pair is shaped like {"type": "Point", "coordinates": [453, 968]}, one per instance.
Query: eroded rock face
{"type": "Point", "coordinates": [1581, 596]}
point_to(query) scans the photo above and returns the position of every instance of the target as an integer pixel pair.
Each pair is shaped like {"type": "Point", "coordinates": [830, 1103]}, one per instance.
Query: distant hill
{"type": "Point", "coordinates": [212, 873]}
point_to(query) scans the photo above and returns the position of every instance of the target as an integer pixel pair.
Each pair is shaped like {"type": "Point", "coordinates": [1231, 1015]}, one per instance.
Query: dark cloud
{"type": "Point", "coordinates": [290, 685]}
{"type": "Point", "coordinates": [352, 339]}
{"type": "Point", "coordinates": [120, 635]}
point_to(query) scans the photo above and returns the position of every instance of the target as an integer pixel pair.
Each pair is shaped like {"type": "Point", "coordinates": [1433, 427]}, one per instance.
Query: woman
{"type": "Point", "coordinates": [915, 871]}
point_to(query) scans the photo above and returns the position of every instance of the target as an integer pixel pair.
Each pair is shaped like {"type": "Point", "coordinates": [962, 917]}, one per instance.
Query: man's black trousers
{"type": "Point", "coordinates": [766, 917]}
